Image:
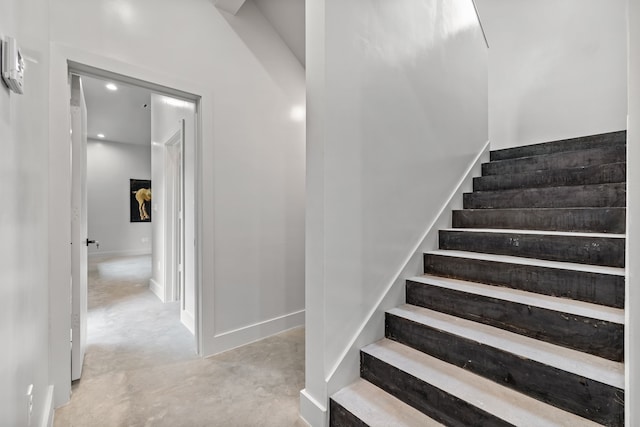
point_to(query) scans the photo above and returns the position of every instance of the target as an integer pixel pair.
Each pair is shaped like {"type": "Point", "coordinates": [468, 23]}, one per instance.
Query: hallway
{"type": "Point", "coordinates": [141, 369]}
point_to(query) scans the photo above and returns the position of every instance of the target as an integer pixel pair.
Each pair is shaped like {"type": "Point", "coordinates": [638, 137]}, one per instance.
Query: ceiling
{"type": "Point", "coordinates": [119, 114]}
{"type": "Point", "coordinates": [287, 18]}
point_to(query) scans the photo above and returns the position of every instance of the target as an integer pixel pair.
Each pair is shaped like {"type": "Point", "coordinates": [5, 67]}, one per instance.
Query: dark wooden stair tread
{"type": "Point", "coordinates": [563, 305]}
{"type": "Point", "coordinates": [559, 160]}
{"type": "Point", "coordinates": [607, 139]}
{"type": "Point", "coordinates": [513, 407]}
{"type": "Point", "coordinates": [576, 196]}
{"type": "Point", "coordinates": [377, 408]}
{"type": "Point", "coordinates": [614, 271]}
{"type": "Point", "coordinates": [584, 219]}
{"type": "Point", "coordinates": [579, 363]}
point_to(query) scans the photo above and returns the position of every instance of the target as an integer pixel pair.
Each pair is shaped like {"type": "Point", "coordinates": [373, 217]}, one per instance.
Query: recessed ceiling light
{"type": "Point", "coordinates": [101, 135]}
{"type": "Point", "coordinates": [111, 86]}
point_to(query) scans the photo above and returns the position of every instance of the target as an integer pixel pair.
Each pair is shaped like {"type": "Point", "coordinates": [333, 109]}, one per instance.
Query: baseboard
{"type": "Point", "coordinates": [156, 288]}
{"type": "Point", "coordinates": [124, 253]}
{"type": "Point", "coordinates": [312, 412]}
{"type": "Point", "coordinates": [48, 412]}
{"type": "Point", "coordinates": [188, 320]}
{"type": "Point", "coordinates": [229, 340]}
{"type": "Point", "coordinates": [346, 369]}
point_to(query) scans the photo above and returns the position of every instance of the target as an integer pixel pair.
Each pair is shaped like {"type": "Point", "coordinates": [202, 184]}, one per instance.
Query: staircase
{"type": "Point", "coordinates": [519, 317]}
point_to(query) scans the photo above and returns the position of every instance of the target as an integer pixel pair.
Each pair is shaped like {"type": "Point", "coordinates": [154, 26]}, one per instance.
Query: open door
{"type": "Point", "coordinates": [79, 240]}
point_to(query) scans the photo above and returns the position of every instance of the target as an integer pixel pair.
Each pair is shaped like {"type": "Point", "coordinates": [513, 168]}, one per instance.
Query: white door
{"type": "Point", "coordinates": [79, 240]}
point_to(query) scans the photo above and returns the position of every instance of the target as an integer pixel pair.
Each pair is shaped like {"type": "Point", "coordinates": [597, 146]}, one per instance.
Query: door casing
{"type": "Point", "coordinates": [64, 60]}
{"type": "Point", "coordinates": [79, 237]}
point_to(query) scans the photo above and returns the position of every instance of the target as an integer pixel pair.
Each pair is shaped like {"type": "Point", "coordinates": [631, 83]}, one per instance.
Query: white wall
{"type": "Point", "coordinates": [110, 165]}
{"type": "Point", "coordinates": [632, 308]}
{"type": "Point", "coordinates": [252, 157]}
{"type": "Point", "coordinates": [23, 220]}
{"type": "Point", "coordinates": [397, 107]}
{"type": "Point", "coordinates": [557, 69]}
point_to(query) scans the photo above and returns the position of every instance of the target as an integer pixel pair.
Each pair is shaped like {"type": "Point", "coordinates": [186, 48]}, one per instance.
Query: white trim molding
{"type": "Point", "coordinates": [156, 288]}
{"type": "Point", "coordinates": [312, 412]}
{"type": "Point", "coordinates": [229, 340]}
{"type": "Point", "coordinates": [346, 369]}
{"type": "Point", "coordinates": [188, 320]}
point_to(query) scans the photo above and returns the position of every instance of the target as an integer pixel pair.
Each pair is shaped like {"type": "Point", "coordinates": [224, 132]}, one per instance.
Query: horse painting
{"type": "Point", "coordinates": [140, 200]}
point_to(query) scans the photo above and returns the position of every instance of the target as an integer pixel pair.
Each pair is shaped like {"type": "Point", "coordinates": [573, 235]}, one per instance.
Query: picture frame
{"type": "Point", "coordinates": [140, 200]}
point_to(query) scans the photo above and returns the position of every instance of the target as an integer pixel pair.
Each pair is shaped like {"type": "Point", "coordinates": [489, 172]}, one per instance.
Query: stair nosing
{"type": "Point", "coordinates": [576, 362]}
{"type": "Point", "coordinates": [533, 262]}
{"type": "Point", "coordinates": [356, 394]}
{"type": "Point", "coordinates": [564, 305]}
{"type": "Point", "coordinates": [537, 232]}
{"type": "Point", "coordinates": [502, 402]}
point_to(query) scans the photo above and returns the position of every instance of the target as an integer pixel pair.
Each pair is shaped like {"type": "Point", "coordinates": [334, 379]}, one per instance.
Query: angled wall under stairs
{"type": "Point", "coordinates": [519, 317]}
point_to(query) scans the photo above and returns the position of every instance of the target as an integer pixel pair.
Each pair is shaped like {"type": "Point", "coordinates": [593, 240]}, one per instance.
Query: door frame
{"type": "Point", "coordinates": [80, 71]}
{"type": "Point", "coordinates": [64, 59]}
{"type": "Point", "coordinates": [79, 229]}
{"type": "Point", "coordinates": [173, 281]}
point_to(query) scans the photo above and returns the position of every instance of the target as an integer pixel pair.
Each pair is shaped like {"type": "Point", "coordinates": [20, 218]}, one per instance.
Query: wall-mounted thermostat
{"type": "Point", "coordinates": [12, 65]}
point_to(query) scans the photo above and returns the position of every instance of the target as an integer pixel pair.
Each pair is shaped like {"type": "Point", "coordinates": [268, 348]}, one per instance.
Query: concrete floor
{"type": "Point", "coordinates": [141, 369]}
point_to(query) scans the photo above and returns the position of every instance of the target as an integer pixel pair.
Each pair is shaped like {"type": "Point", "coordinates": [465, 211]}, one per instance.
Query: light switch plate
{"type": "Point", "coordinates": [12, 65]}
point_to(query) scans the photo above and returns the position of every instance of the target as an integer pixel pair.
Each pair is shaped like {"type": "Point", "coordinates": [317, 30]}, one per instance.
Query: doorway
{"type": "Point", "coordinates": [108, 161]}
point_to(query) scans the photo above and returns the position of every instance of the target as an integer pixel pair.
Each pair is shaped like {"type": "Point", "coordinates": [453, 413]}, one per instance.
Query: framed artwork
{"type": "Point", "coordinates": [140, 196]}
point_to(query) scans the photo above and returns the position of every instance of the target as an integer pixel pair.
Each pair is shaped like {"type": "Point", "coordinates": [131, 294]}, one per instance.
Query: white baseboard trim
{"type": "Point", "coordinates": [48, 412]}
{"type": "Point", "coordinates": [312, 412]}
{"type": "Point", "coordinates": [156, 288]}
{"type": "Point", "coordinates": [304, 421]}
{"type": "Point", "coordinates": [188, 320]}
{"type": "Point", "coordinates": [110, 254]}
{"type": "Point", "coordinates": [242, 336]}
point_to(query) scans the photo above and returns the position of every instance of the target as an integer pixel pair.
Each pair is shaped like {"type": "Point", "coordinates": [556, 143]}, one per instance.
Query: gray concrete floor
{"type": "Point", "coordinates": [141, 369]}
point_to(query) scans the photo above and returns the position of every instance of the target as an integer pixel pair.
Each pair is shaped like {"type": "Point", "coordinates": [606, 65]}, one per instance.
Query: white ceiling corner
{"type": "Point", "coordinates": [230, 6]}
{"type": "Point", "coordinates": [288, 19]}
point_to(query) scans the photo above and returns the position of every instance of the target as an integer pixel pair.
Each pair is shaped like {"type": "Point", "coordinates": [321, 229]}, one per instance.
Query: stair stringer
{"type": "Point", "coordinates": [346, 370]}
